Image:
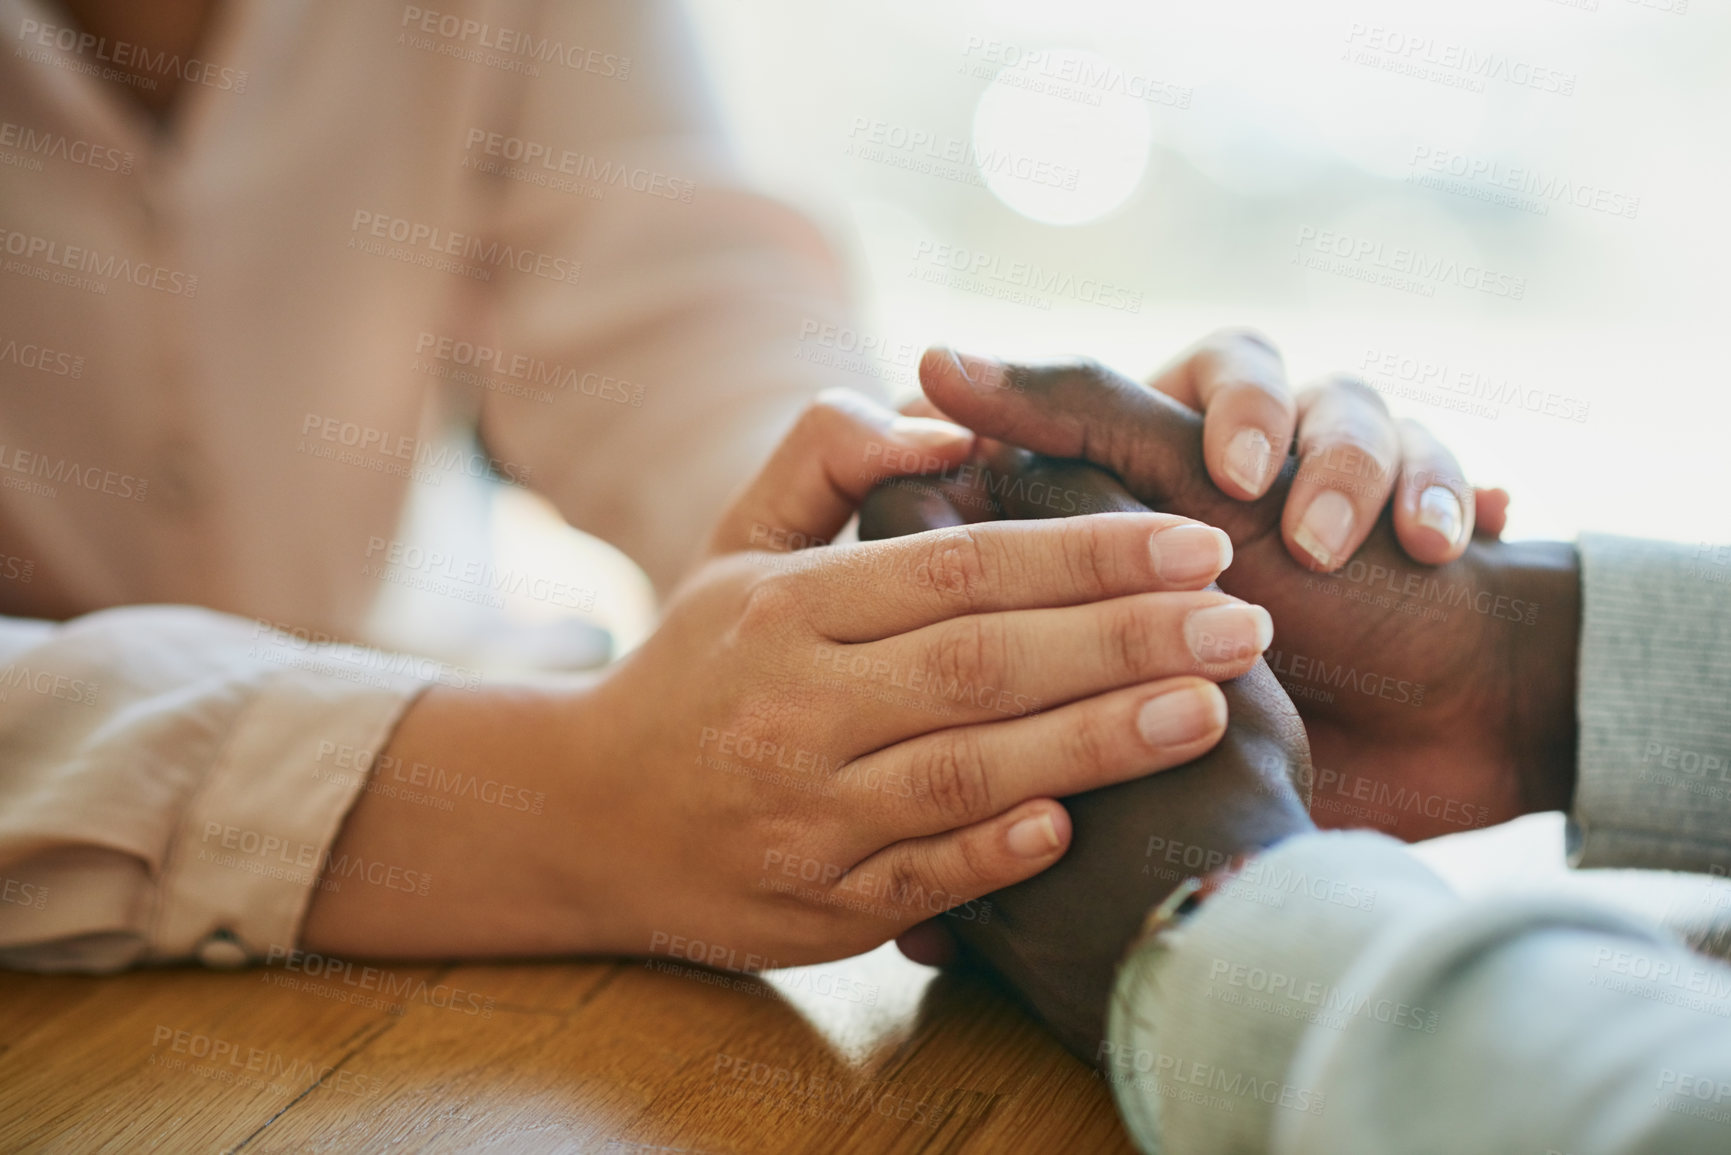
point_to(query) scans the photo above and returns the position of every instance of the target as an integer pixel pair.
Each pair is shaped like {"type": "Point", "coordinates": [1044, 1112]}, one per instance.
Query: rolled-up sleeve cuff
{"type": "Point", "coordinates": [1204, 1024]}
{"type": "Point", "coordinates": [1654, 776]}
{"type": "Point", "coordinates": [255, 838]}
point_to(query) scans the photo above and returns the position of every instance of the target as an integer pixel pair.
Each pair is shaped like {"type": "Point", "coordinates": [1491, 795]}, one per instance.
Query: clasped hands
{"type": "Point", "coordinates": [825, 746]}
{"type": "Point", "coordinates": [1432, 669]}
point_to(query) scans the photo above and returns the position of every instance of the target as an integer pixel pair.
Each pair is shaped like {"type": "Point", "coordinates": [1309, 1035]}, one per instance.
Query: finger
{"type": "Point", "coordinates": [928, 944]}
{"type": "Point", "coordinates": [964, 775]}
{"type": "Point", "coordinates": [985, 666]}
{"type": "Point", "coordinates": [912, 880]}
{"type": "Point", "coordinates": [1000, 565]}
{"type": "Point", "coordinates": [1348, 449]}
{"type": "Point", "coordinates": [914, 505]}
{"type": "Point", "coordinates": [1491, 513]}
{"type": "Point", "coordinates": [921, 406]}
{"type": "Point", "coordinates": [841, 446]}
{"type": "Point", "coordinates": [1236, 379]}
{"type": "Point", "coordinates": [1434, 507]}
{"type": "Point", "coordinates": [1080, 409]}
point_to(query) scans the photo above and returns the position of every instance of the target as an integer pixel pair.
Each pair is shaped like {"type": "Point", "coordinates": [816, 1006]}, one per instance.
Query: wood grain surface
{"type": "Point", "coordinates": [872, 1054]}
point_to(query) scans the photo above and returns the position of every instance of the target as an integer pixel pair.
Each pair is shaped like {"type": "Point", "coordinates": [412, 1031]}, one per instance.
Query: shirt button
{"type": "Point", "coordinates": [221, 952]}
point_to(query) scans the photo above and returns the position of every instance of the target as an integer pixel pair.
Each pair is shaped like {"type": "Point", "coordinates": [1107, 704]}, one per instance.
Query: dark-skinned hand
{"type": "Point", "coordinates": [1437, 697]}
{"type": "Point", "coordinates": [1057, 938]}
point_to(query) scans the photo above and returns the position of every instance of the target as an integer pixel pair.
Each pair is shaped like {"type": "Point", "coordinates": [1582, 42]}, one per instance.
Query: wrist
{"type": "Point", "coordinates": [473, 795]}
{"type": "Point", "coordinates": [1540, 661]}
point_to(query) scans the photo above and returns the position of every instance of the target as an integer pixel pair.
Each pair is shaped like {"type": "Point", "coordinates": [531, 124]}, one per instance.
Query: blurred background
{"type": "Point", "coordinates": [1506, 216]}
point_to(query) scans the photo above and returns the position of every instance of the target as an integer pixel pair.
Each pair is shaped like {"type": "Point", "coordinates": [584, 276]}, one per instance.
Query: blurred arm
{"type": "Point", "coordinates": [1337, 998]}
{"type": "Point", "coordinates": [684, 348]}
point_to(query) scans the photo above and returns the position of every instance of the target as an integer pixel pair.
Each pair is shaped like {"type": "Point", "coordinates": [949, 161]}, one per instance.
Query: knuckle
{"type": "Point", "coordinates": [968, 652]}
{"type": "Point", "coordinates": [833, 411]}
{"type": "Point", "coordinates": [1087, 557]}
{"type": "Point", "coordinates": [1133, 644]}
{"type": "Point", "coordinates": [771, 602]}
{"type": "Point", "coordinates": [956, 780]}
{"type": "Point", "coordinates": [961, 564]}
{"type": "Point", "coordinates": [906, 878]}
{"type": "Point", "coordinates": [978, 871]}
{"type": "Point", "coordinates": [1352, 388]}
{"type": "Point", "coordinates": [1090, 749]}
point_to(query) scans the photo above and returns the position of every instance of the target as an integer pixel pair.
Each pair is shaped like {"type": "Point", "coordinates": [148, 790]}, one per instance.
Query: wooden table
{"type": "Point", "coordinates": [873, 1054]}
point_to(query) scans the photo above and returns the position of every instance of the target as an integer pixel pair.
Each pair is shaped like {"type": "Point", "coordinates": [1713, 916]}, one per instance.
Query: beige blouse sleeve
{"type": "Point", "coordinates": [173, 780]}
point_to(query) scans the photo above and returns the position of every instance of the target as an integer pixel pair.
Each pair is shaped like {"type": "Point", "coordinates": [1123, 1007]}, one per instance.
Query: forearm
{"type": "Point", "coordinates": [469, 812]}
{"type": "Point", "coordinates": [1338, 998]}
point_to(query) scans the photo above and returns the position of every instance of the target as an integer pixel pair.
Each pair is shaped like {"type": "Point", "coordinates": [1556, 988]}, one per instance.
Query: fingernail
{"type": "Point", "coordinates": [985, 374]}
{"type": "Point", "coordinates": [1250, 460]}
{"type": "Point", "coordinates": [1179, 717]}
{"type": "Point", "coordinates": [1184, 553]}
{"type": "Point", "coordinates": [929, 432]}
{"type": "Point", "coordinates": [1034, 837]}
{"type": "Point", "coordinates": [1231, 632]}
{"type": "Point", "coordinates": [1326, 528]}
{"type": "Point", "coordinates": [1440, 509]}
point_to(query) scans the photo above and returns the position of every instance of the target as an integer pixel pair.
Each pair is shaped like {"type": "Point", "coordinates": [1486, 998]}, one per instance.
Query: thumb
{"type": "Point", "coordinates": [841, 446]}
